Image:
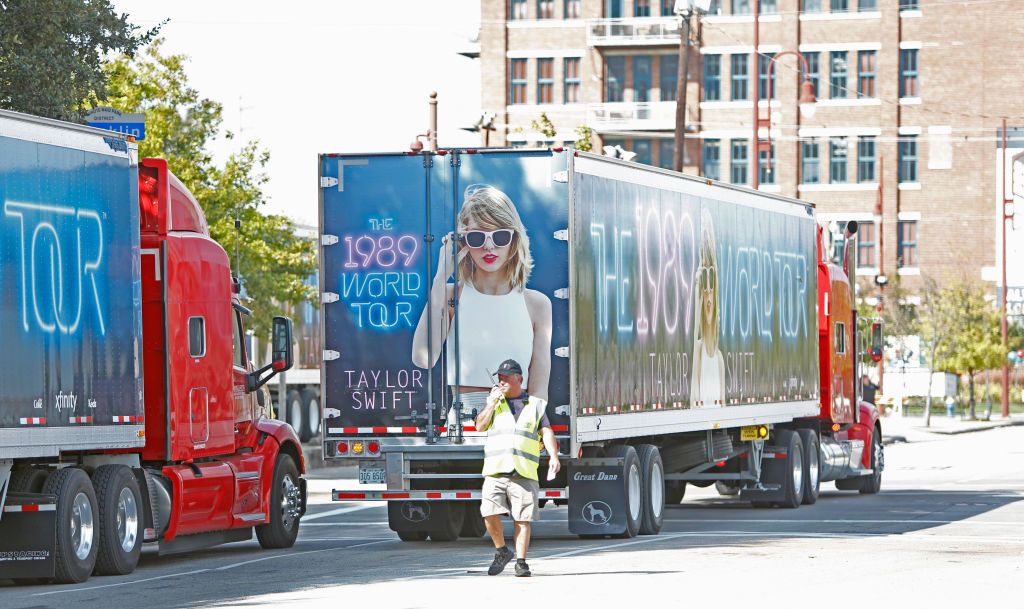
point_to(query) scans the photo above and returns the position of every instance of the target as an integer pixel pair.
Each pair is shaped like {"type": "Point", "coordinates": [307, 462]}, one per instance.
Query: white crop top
{"type": "Point", "coordinates": [492, 329]}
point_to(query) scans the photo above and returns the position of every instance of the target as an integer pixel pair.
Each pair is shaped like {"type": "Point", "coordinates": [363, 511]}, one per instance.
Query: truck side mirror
{"type": "Point", "coordinates": [281, 341]}
{"type": "Point", "coordinates": [876, 341]}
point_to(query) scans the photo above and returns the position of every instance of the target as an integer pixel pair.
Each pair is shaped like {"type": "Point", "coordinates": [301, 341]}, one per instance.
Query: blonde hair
{"type": "Point", "coordinates": [491, 209]}
{"type": "Point", "coordinates": [709, 259]}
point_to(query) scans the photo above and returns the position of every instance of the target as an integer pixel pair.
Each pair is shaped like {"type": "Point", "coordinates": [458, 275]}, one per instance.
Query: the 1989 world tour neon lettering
{"type": "Point", "coordinates": [54, 257]}
{"type": "Point", "coordinates": [378, 290]}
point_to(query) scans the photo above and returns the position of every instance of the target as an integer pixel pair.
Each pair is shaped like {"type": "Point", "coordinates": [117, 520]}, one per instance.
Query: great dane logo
{"type": "Point", "coordinates": [416, 511]}
{"type": "Point", "coordinates": [597, 513]}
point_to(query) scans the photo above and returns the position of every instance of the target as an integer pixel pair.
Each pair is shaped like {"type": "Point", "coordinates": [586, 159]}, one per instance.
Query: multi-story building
{"type": "Point", "coordinates": [904, 139]}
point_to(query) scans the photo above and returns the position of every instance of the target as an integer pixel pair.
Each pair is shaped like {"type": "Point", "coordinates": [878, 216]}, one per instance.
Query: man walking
{"type": "Point", "coordinates": [515, 423]}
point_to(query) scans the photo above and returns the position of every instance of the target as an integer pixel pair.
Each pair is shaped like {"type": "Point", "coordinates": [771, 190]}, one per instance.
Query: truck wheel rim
{"type": "Point", "coordinates": [812, 469]}
{"type": "Point", "coordinates": [81, 526]}
{"type": "Point", "coordinates": [797, 461]}
{"type": "Point", "coordinates": [289, 502]}
{"type": "Point", "coordinates": [657, 490]}
{"type": "Point", "coordinates": [295, 414]}
{"type": "Point", "coordinates": [634, 492]}
{"type": "Point", "coordinates": [314, 416]}
{"type": "Point", "coordinates": [127, 519]}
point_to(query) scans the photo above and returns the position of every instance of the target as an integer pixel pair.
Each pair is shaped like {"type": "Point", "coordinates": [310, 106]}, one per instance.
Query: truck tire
{"type": "Point", "coordinates": [450, 516]}
{"type": "Point", "coordinates": [653, 481]}
{"type": "Point", "coordinates": [812, 465]}
{"type": "Point", "coordinates": [412, 535]}
{"type": "Point", "coordinates": [793, 481]}
{"type": "Point", "coordinates": [632, 486]}
{"type": "Point", "coordinates": [284, 506]}
{"type": "Point", "coordinates": [727, 488]}
{"type": "Point", "coordinates": [675, 490]}
{"type": "Point", "coordinates": [296, 414]}
{"type": "Point", "coordinates": [28, 480]}
{"type": "Point", "coordinates": [311, 404]}
{"type": "Point", "coordinates": [76, 551]}
{"type": "Point", "coordinates": [872, 483]}
{"type": "Point", "coordinates": [473, 525]}
{"type": "Point", "coordinates": [121, 519]}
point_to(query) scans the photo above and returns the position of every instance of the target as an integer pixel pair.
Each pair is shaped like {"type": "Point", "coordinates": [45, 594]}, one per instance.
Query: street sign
{"type": "Point", "coordinates": [113, 119]}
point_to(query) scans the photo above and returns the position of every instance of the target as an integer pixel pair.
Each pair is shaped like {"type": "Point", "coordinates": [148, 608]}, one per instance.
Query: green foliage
{"type": "Point", "coordinates": [180, 124]}
{"type": "Point", "coordinates": [52, 53]}
{"type": "Point", "coordinates": [584, 138]}
{"type": "Point", "coordinates": [544, 126]}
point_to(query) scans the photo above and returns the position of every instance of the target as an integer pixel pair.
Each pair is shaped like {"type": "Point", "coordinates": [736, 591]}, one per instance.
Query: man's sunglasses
{"type": "Point", "coordinates": [477, 238]}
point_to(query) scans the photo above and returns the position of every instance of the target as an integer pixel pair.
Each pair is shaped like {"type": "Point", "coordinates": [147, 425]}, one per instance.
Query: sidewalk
{"type": "Point", "coordinates": [897, 428]}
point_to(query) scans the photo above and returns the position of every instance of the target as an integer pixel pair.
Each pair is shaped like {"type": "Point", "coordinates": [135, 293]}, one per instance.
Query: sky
{"type": "Point", "coordinates": [310, 76]}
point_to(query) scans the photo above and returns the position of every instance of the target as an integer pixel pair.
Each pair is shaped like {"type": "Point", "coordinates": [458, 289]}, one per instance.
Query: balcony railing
{"type": "Point", "coordinates": [632, 116]}
{"type": "Point", "coordinates": [633, 32]}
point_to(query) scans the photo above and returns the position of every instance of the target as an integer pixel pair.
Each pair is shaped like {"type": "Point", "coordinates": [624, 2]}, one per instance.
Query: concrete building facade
{"type": "Point", "coordinates": [905, 134]}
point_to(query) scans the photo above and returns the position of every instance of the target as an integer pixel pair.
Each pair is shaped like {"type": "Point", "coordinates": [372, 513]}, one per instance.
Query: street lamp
{"type": "Point", "coordinates": [807, 103]}
{"type": "Point", "coordinates": [684, 9]}
{"type": "Point", "coordinates": [431, 134]}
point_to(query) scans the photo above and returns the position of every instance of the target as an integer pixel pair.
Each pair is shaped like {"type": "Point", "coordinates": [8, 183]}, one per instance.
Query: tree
{"type": "Point", "coordinates": [971, 339]}
{"type": "Point", "coordinates": [180, 124]}
{"type": "Point", "coordinates": [544, 126]}
{"type": "Point", "coordinates": [938, 313]}
{"type": "Point", "coordinates": [583, 138]}
{"type": "Point", "coordinates": [52, 52]}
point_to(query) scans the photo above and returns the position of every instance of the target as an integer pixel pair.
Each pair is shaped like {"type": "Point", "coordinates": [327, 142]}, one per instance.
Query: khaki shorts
{"type": "Point", "coordinates": [512, 495]}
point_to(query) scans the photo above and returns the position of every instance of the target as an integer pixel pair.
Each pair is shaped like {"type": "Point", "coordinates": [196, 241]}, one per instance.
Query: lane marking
{"type": "Point", "coordinates": [342, 524]}
{"type": "Point", "coordinates": [339, 511]}
{"type": "Point", "coordinates": [843, 521]}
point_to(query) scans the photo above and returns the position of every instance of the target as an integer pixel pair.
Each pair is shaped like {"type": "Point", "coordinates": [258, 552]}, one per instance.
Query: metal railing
{"type": "Point", "coordinates": [633, 31]}
{"type": "Point", "coordinates": [631, 116]}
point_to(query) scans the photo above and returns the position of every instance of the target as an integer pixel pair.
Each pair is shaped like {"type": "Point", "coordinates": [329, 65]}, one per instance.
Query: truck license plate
{"type": "Point", "coordinates": [372, 475]}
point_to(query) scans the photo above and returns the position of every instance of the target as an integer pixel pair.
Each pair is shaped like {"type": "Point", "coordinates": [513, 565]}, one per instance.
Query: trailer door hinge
{"type": "Point", "coordinates": [330, 355]}
{"type": "Point", "coordinates": [562, 235]}
{"type": "Point", "coordinates": [328, 181]}
{"type": "Point", "coordinates": [328, 239]}
{"type": "Point", "coordinates": [560, 176]}
{"type": "Point", "coordinates": [329, 297]}
{"type": "Point", "coordinates": [561, 351]}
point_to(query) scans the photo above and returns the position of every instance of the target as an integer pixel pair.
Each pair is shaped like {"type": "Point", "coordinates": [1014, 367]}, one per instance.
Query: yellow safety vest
{"type": "Point", "coordinates": [514, 445]}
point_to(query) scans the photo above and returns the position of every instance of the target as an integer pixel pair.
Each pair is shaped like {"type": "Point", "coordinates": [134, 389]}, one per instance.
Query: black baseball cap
{"type": "Point", "coordinates": [510, 366]}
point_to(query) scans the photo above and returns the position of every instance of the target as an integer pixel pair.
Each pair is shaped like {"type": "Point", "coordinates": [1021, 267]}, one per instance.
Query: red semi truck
{"type": "Point", "coordinates": [130, 411]}
{"type": "Point", "coordinates": [690, 332]}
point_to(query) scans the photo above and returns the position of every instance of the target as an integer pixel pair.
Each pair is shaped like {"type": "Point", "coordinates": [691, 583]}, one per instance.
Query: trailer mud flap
{"type": "Point", "coordinates": [597, 497]}
{"type": "Point", "coordinates": [28, 529]}
{"type": "Point", "coordinates": [420, 515]}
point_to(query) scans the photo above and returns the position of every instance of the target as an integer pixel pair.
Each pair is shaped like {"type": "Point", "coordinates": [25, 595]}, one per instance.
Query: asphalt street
{"type": "Point", "coordinates": [948, 527]}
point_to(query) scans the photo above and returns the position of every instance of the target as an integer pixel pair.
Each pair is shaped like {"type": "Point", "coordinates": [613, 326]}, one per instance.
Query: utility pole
{"type": "Point", "coordinates": [1002, 297]}
{"type": "Point", "coordinates": [682, 84]}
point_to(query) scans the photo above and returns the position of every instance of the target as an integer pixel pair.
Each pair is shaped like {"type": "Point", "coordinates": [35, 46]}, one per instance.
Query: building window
{"type": "Point", "coordinates": [740, 7]}
{"type": "Point", "coordinates": [613, 9]}
{"type": "Point", "coordinates": [766, 169]}
{"type": "Point", "coordinates": [810, 167]}
{"type": "Point", "coordinates": [711, 159]}
{"type": "Point", "coordinates": [866, 244]}
{"type": "Point", "coordinates": [642, 148]}
{"type": "Point", "coordinates": [716, 8]}
{"type": "Point", "coordinates": [768, 7]}
{"type": "Point", "coordinates": [196, 336]}
{"type": "Point", "coordinates": [866, 73]}
{"type": "Point", "coordinates": [545, 81]}
{"type": "Point", "coordinates": [668, 8]}
{"type": "Point", "coordinates": [517, 88]}
{"type": "Point", "coordinates": [866, 159]}
{"type": "Point", "coordinates": [765, 90]}
{"type": "Point", "coordinates": [838, 72]}
{"type": "Point", "coordinates": [837, 160]}
{"type": "Point", "coordinates": [666, 152]}
{"type": "Point", "coordinates": [738, 162]}
{"type": "Point", "coordinates": [908, 159]}
{"type": "Point", "coordinates": [909, 5]}
{"type": "Point", "coordinates": [571, 9]}
{"type": "Point", "coordinates": [812, 6]}
{"type": "Point", "coordinates": [641, 8]}
{"type": "Point", "coordinates": [909, 86]}
{"type": "Point", "coordinates": [517, 10]}
{"type": "Point", "coordinates": [739, 77]}
{"type": "Point", "coordinates": [712, 77]}
{"type": "Point", "coordinates": [668, 77]}
{"type": "Point", "coordinates": [571, 84]}
{"type": "Point", "coordinates": [642, 78]}
{"type": "Point", "coordinates": [616, 77]}
{"type": "Point", "coordinates": [906, 251]}
{"type": "Point", "coordinates": [545, 9]}
{"type": "Point", "coordinates": [813, 69]}
{"type": "Point", "coordinates": [840, 6]}
{"type": "Point", "coordinates": [867, 5]}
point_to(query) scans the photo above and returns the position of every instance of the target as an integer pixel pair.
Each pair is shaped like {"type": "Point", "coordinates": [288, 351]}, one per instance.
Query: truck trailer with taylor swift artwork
{"type": "Point", "coordinates": [683, 331]}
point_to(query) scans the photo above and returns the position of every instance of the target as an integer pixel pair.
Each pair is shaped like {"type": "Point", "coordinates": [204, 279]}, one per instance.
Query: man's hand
{"type": "Point", "coordinates": [497, 392]}
{"type": "Point", "coordinates": [554, 466]}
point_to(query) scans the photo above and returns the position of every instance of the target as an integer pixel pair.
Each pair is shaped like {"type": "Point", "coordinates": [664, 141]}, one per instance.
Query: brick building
{"type": "Point", "coordinates": [910, 94]}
